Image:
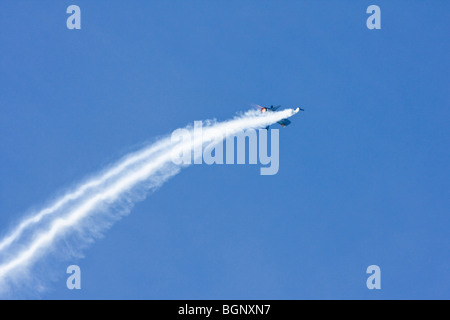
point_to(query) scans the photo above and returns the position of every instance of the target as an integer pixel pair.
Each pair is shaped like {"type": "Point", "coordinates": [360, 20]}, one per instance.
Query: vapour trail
{"type": "Point", "coordinates": [148, 169]}
{"type": "Point", "coordinates": [81, 190]}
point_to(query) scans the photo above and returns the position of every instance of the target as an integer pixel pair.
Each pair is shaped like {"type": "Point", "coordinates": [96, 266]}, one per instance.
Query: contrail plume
{"type": "Point", "coordinates": [80, 191]}
{"type": "Point", "coordinates": [124, 182]}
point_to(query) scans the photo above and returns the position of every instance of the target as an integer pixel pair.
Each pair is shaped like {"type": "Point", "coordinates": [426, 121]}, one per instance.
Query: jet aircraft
{"type": "Point", "coordinates": [283, 122]}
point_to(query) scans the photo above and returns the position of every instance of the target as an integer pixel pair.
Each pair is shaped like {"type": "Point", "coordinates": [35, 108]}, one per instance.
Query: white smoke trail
{"type": "Point", "coordinates": [80, 191]}
{"type": "Point", "coordinates": [148, 169]}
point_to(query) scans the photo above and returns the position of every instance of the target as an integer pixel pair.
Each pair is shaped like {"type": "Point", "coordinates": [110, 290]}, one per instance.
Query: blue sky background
{"type": "Point", "coordinates": [364, 172]}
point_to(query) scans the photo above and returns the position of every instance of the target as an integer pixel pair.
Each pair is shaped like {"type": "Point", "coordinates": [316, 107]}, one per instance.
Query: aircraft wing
{"type": "Point", "coordinates": [284, 122]}
{"type": "Point", "coordinates": [275, 108]}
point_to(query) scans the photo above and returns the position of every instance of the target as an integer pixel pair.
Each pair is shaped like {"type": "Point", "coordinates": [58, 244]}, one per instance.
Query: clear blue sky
{"type": "Point", "coordinates": [364, 172]}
